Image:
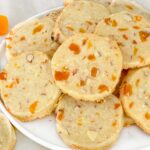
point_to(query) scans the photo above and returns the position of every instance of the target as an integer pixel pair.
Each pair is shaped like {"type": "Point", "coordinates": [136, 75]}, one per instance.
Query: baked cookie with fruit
{"type": "Point", "coordinates": [80, 17]}
{"type": "Point", "coordinates": [132, 33]}
{"type": "Point", "coordinates": [28, 90]}
{"type": "Point", "coordinates": [87, 66]}
{"type": "Point", "coordinates": [135, 97]}
{"type": "Point", "coordinates": [89, 125]}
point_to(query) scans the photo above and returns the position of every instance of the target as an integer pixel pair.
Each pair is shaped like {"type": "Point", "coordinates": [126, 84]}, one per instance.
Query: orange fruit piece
{"type": "Point", "coordinates": [3, 25]}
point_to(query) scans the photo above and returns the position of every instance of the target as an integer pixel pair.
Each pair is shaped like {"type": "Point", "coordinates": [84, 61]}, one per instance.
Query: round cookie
{"type": "Point", "coordinates": [7, 134]}
{"type": "Point", "coordinates": [103, 2]}
{"type": "Point", "coordinates": [87, 66]}
{"type": "Point", "coordinates": [130, 6]}
{"type": "Point", "coordinates": [135, 97]}
{"type": "Point", "coordinates": [27, 87]}
{"type": "Point", "coordinates": [89, 125]}
{"type": "Point", "coordinates": [31, 35]}
{"type": "Point", "coordinates": [80, 17]}
{"type": "Point", "coordinates": [131, 32]}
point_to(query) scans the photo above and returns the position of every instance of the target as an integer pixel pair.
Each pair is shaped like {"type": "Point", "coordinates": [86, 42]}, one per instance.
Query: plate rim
{"type": "Point", "coordinates": [24, 131]}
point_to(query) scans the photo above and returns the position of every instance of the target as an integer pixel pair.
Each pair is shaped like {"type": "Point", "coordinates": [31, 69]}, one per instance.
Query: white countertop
{"type": "Point", "coordinates": [17, 11]}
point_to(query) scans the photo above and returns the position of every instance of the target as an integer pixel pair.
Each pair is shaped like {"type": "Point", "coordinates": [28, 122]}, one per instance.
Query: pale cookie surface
{"type": "Point", "coordinates": [135, 97]}
{"type": "Point", "coordinates": [89, 125]}
{"type": "Point", "coordinates": [132, 33]}
{"type": "Point", "coordinates": [128, 121]}
{"type": "Point", "coordinates": [7, 134]}
{"type": "Point", "coordinates": [55, 14]}
{"type": "Point", "coordinates": [27, 87]}
{"type": "Point", "coordinates": [103, 2]}
{"type": "Point", "coordinates": [130, 6]}
{"type": "Point", "coordinates": [32, 35]}
{"type": "Point", "coordinates": [81, 17]}
{"type": "Point", "coordinates": [87, 66]}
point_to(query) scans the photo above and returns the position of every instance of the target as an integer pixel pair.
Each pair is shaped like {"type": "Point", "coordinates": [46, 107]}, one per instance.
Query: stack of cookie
{"type": "Point", "coordinates": [85, 63]}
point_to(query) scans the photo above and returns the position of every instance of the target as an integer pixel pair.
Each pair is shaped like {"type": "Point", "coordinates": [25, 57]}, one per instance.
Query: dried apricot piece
{"type": "Point", "coordinates": [131, 104]}
{"type": "Point", "coordinates": [3, 25]}
{"type": "Point", "coordinates": [103, 88]}
{"type": "Point", "coordinates": [37, 29]}
{"type": "Point", "coordinates": [127, 90]}
{"type": "Point", "coordinates": [144, 35]}
{"type": "Point", "coordinates": [116, 106]}
{"type": "Point", "coordinates": [94, 72]}
{"type": "Point", "coordinates": [82, 83]}
{"type": "Point", "coordinates": [60, 114]}
{"type": "Point", "coordinates": [91, 57]}
{"type": "Point", "coordinates": [74, 48]}
{"type": "Point", "coordinates": [33, 107]}
{"type": "Point", "coordinates": [3, 75]}
{"type": "Point", "coordinates": [125, 36]}
{"type": "Point", "coordinates": [147, 116]}
{"type": "Point", "coordinates": [137, 82]}
{"type": "Point", "coordinates": [61, 75]}
{"type": "Point", "coordinates": [113, 77]}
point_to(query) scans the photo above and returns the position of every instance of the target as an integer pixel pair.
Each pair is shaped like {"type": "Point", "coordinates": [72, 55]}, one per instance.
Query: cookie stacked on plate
{"type": "Point", "coordinates": [75, 61]}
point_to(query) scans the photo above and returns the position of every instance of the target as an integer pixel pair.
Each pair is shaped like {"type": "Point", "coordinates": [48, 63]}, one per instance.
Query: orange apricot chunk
{"type": "Point", "coordinates": [3, 25]}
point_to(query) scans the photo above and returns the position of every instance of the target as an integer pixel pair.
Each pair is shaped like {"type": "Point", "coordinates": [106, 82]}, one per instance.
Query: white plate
{"type": "Point", "coordinates": [43, 131]}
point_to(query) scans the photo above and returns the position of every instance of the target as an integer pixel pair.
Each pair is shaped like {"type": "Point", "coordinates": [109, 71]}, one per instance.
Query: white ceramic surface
{"type": "Point", "coordinates": [43, 131]}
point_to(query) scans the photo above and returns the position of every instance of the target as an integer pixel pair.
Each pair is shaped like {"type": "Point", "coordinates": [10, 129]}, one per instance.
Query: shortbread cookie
{"type": "Point", "coordinates": [87, 66]}
{"type": "Point", "coordinates": [81, 17]}
{"type": "Point", "coordinates": [132, 32]}
{"type": "Point", "coordinates": [27, 87]}
{"type": "Point", "coordinates": [135, 97]}
{"type": "Point", "coordinates": [89, 125]}
{"type": "Point", "coordinates": [130, 6]}
{"type": "Point", "coordinates": [128, 121]}
{"type": "Point", "coordinates": [7, 134]}
{"type": "Point", "coordinates": [103, 2]}
{"type": "Point", "coordinates": [32, 35]}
